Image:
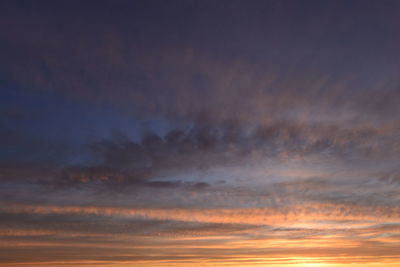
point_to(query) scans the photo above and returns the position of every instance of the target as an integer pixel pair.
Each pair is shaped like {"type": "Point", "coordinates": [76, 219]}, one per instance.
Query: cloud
{"type": "Point", "coordinates": [264, 216]}
{"type": "Point", "coordinates": [255, 133]}
{"type": "Point", "coordinates": [152, 65]}
{"type": "Point", "coordinates": [205, 145]}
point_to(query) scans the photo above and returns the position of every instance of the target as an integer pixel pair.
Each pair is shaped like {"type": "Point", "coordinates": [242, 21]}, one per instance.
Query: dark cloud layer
{"type": "Point", "coordinates": [187, 57]}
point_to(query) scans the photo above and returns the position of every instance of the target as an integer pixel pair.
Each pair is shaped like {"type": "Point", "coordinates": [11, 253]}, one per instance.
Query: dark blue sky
{"type": "Point", "coordinates": [77, 70]}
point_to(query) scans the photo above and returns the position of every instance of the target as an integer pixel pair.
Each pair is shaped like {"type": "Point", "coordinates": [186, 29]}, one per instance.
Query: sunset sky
{"type": "Point", "coordinates": [199, 133]}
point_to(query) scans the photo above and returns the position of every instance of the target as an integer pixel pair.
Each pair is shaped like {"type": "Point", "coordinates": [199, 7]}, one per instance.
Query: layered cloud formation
{"type": "Point", "coordinates": [185, 133]}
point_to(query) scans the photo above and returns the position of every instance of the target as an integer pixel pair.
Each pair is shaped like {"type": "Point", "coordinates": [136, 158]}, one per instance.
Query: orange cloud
{"type": "Point", "coordinates": [259, 216]}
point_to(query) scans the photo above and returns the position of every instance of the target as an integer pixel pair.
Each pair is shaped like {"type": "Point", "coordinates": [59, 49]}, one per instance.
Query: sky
{"type": "Point", "coordinates": [200, 133]}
